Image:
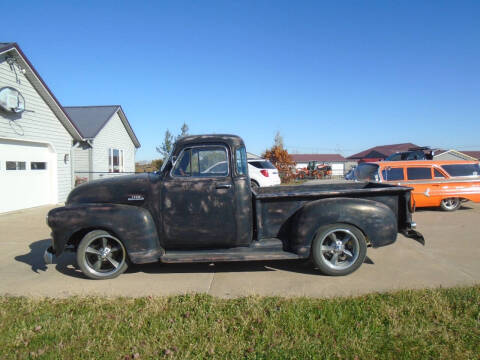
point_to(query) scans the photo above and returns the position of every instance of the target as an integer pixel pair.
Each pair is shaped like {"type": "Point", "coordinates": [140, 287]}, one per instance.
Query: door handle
{"type": "Point", "coordinates": [223, 186]}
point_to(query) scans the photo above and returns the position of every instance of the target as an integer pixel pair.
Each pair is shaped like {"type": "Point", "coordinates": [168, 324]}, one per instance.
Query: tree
{"type": "Point", "coordinates": [183, 131]}
{"type": "Point", "coordinates": [168, 141]}
{"type": "Point", "coordinates": [282, 160]}
{"type": "Point", "coordinates": [167, 145]}
{"type": "Point", "coordinates": [157, 164]}
{"type": "Point", "coordinates": [278, 140]}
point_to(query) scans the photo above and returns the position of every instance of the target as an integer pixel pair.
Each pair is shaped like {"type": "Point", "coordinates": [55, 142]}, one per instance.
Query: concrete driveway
{"type": "Point", "coordinates": [450, 257]}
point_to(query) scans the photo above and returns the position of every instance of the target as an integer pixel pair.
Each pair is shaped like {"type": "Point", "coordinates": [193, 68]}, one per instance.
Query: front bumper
{"type": "Point", "coordinates": [49, 255]}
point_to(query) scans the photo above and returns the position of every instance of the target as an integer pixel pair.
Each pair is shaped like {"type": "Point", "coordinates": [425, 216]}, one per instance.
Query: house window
{"type": "Point", "coordinates": [15, 165]}
{"type": "Point", "coordinates": [115, 160]}
{"type": "Point", "coordinates": [36, 165]}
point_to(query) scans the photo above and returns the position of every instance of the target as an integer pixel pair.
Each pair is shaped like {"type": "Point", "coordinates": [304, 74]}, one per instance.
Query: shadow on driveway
{"type": "Point", "coordinates": [66, 264]}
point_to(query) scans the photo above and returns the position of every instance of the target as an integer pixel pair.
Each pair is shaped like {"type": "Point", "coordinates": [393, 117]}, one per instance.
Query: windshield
{"type": "Point", "coordinates": [367, 172]}
{"type": "Point", "coordinates": [167, 159]}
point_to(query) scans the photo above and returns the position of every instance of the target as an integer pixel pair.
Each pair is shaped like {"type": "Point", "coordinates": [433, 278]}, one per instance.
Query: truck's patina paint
{"type": "Point", "coordinates": [171, 218]}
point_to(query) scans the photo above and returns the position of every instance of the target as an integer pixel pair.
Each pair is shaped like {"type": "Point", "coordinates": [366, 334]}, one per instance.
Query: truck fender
{"type": "Point", "coordinates": [133, 225]}
{"type": "Point", "coordinates": [374, 219]}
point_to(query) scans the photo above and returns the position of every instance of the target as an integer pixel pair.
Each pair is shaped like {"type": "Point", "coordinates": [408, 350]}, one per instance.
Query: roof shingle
{"type": "Point", "coordinates": [382, 151]}
{"type": "Point", "coordinates": [90, 119]}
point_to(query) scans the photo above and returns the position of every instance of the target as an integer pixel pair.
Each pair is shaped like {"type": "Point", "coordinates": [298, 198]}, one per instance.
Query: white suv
{"type": "Point", "coordinates": [262, 173]}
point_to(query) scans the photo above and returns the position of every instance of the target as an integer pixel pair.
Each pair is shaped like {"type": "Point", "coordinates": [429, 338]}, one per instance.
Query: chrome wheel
{"type": "Point", "coordinates": [101, 255]}
{"type": "Point", "coordinates": [450, 204]}
{"type": "Point", "coordinates": [339, 249]}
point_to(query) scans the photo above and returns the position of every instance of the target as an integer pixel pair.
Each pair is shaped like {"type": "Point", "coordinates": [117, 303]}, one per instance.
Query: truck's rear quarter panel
{"type": "Point", "coordinates": [276, 208]}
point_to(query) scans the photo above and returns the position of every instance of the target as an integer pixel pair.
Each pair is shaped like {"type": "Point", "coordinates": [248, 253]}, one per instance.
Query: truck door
{"type": "Point", "coordinates": [198, 200]}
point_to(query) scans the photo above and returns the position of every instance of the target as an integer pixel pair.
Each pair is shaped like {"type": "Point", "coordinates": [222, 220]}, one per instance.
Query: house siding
{"type": "Point", "coordinates": [113, 135]}
{"type": "Point", "coordinates": [81, 162]}
{"type": "Point", "coordinates": [38, 123]}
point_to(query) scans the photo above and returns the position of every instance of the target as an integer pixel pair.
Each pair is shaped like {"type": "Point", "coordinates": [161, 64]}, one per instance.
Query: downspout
{"type": "Point", "coordinates": [72, 162]}
{"type": "Point", "coordinates": [90, 159]}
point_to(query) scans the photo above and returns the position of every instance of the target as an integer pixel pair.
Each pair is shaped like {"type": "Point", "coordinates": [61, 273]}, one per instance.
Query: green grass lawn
{"type": "Point", "coordinates": [426, 324]}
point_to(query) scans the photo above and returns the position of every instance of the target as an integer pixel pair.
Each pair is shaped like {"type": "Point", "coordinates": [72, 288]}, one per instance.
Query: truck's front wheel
{"type": "Point", "coordinates": [101, 255]}
{"type": "Point", "coordinates": [338, 249]}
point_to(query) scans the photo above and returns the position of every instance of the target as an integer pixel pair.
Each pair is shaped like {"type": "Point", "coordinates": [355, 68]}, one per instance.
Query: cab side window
{"type": "Point", "coordinates": [206, 161]}
{"type": "Point", "coordinates": [419, 173]}
{"type": "Point", "coordinates": [392, 174]}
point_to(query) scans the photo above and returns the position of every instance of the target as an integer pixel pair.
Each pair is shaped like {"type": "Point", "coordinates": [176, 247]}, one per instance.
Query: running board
{"type": "Point", "coordinates": [256, 252]}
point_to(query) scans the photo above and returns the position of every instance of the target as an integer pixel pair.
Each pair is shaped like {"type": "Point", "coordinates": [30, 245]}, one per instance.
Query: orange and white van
{"type": "Point", "coordinates": [436, 183]}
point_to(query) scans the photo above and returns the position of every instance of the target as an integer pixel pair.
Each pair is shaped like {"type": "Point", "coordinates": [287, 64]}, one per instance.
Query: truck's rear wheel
{"type": "Point", "coordinates": [101, 255]}
{"type": "Point", "coordinates": [338, 249]}
{"type": "Point", "coordinates": [450, 204]}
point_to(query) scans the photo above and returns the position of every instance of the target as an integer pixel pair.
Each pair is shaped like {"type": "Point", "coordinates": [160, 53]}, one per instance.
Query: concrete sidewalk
{"type": "Point", "coordinates": [450, 257]}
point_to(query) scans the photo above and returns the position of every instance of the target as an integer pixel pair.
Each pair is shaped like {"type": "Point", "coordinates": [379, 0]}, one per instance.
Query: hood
{"type": "Point", "coordinates": [123, 189]}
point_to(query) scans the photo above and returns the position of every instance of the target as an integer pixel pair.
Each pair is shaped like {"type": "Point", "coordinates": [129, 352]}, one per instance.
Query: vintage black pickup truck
{"type": "Point", "coordinates": [200, 208]}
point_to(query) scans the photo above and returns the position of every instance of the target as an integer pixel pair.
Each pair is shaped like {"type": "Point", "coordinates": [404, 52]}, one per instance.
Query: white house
{"type": "Point", "coordinates": [38, 139]}
{"type": "Point", "coordinates": [109, 144]}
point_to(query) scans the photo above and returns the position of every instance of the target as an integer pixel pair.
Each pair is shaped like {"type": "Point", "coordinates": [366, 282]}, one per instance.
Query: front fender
{"type": "Point", "coordinates": [374, 219]}
{"type": "Point", "coordinates": [133, 225]}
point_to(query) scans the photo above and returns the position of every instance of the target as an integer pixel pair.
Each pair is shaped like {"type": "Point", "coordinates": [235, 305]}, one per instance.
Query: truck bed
{"type": "Point", "coordinates": [326, 190]}
{"type": "Point", "coordinates": [275, 205]}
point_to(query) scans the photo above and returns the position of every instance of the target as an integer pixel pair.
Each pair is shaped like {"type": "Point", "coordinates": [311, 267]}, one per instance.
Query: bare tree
{"type": "Point", "coordinates": [167, 145]}
{"type": "Point", "coordinates": [183, 131]}
{"type": "Point", "coordinates": [278, 140]}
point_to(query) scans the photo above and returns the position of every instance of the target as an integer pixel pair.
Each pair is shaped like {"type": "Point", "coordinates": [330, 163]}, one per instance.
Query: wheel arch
{"type": "Point", "coordinates": [133, 226]}
{"type": "Point", "coordinates": [375, 220]}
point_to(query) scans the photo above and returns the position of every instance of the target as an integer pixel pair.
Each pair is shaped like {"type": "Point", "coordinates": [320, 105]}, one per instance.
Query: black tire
{"type": "Point", "coordinates": [100, 255]}
{"type": "Point", "coordinates": [338, 249]}
{"type": "Point", "coordinates": [254, 184]}
{"type": "Point", "coordinates": [450, 204]}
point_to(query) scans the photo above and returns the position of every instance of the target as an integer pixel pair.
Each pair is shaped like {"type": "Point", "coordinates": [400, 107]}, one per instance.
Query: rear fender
{"type": "Point", "coordinates": [374, 219]}
{"type": "Point", "coordinates": [134, 226]}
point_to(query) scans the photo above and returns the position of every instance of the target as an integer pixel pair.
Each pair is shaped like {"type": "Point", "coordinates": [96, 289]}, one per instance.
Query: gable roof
{"type": "Point", "coordinates": [382, 151]}
{"type": "Point", "coordinates": [474, 154]}
{"type": "Point", "coordinates": [91, 119]}
{"type": "Point", "coordinates": [303, 158]}
{"type": "Point", "coordinates": [460, 154]}
{"type": "Point", "coordinates": [37, 82]}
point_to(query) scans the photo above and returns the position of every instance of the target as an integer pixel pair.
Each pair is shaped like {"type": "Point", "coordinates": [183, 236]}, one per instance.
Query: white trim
{"type": "Point", "coordinates": [46, 93]}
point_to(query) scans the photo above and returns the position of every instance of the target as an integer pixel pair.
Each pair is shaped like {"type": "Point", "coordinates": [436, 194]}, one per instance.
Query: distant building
{"type": "Point", "coordinates": [339, 164]}
{"type": "Point", "coordinates": [473, 154]}
{"type": "Point", "coordinates": [455, 155]}
{"type": "Point", "coordinates": [381, 152]}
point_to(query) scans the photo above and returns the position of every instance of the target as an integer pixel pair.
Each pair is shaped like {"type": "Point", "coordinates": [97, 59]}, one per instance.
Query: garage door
{"type": "Point", "coordinates": [26, 175]}
{"type": "Point", "coordinates": [337, 169]}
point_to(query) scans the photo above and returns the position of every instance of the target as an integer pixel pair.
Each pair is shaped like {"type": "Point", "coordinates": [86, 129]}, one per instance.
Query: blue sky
{"type": "Point", "coordinates": [337, 76]}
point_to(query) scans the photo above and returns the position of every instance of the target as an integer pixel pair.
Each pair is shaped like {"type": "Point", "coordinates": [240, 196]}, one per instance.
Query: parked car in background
{"type": "Point", "coordinates": [417, 153]}
{"type": "Point", "coordinates": [262, 173]}
{"type": "Point", "coordinates": [436, 183]}
{"type": "Point", "coordinates": [350, 175]}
